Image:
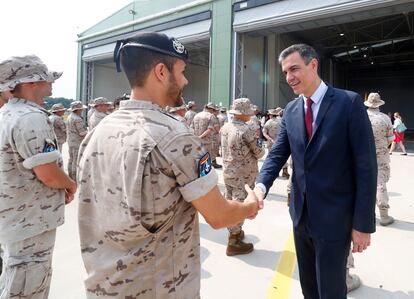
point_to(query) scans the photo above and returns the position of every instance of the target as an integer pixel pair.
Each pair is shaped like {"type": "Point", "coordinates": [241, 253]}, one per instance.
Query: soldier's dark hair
{"type": "Point", "coordinates": [305, 51]}
{"type": "Point", "coordinates": [137, 64]}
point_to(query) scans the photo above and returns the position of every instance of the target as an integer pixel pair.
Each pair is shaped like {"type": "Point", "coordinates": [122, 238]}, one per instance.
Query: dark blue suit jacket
{"type": "Point", "coordinates": [335, 172]}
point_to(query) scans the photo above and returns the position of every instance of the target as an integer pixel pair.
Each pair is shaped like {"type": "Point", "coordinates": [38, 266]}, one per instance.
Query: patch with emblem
{"type": "Point", "coordinates": [178, 47]}
{"type": "Point", "coordinates": [204, 165]}
{"type": "Point", "coordinates": [50, 146]}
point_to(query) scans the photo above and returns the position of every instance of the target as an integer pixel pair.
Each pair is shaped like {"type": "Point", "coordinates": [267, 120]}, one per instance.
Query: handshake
{"type": "Point", "coordinates": [255, 198]}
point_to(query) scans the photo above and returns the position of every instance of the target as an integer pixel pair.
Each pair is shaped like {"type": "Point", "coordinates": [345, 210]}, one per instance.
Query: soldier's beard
{"type": "Point", "coordinates": [175, 93]}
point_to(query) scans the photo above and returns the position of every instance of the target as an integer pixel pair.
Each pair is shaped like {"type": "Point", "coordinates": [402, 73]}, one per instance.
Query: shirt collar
{"type": "Point", "coordinates": [138, 104]}
{"type": "Point", "coordinates": [15, 100]}
{"type": "Point", "coordinates": [319, 93]}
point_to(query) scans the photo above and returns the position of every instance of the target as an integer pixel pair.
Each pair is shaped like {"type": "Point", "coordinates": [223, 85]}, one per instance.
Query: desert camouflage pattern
{"type": "Point", "coordinates": [28, 267]}
{"type": "Point", "coordinates": [181, 119]}
{"type": "Point", "coordinates": [27, 140]}
{"type": "Point", "coordinates": [139, 232]}
{"type": "Point", "coordinates": [76, 132]}
{"type": "Point", "coordinates": [95, 119]}
{"type": "Point", "coordinates": [203, 121]}
{"type": "Point", "coordinates": [59, 128]}
{"type": "Point", "coordinates": [222, 118]}
{"type": "Point", "coordinates": [272, 128]}
{"type": "Point", "coordinates": [189, 117]}
{"type": "Point", "coordinates": [215, 138]}
{"type": "Point", "coordinates": [383, 133]}
{"type": "Point", "coordinates": [240, 152]}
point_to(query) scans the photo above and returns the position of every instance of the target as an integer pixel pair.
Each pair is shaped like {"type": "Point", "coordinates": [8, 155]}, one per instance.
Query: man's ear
{"type": "Point", "coordinates": [161, 72]}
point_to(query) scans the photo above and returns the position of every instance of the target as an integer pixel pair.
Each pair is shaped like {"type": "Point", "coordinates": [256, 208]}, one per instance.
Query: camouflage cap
{"type": "Point", "coordinates": [99, 101]}
{"type": "Point", "coordinates": [223, 109]}
{"type": "Point", "coordinates": [242, 106]}
{"type": "Point", "coordinates": [211, 105]}
{"type": "Point", "coordinates": [57, 107]}
{"type": "Point", "coordinates": [191, 104]}
{"type": "Point", "coordinates": [374, 100]}
{"type": "Point", "coordinates": [24, 69]}
{"type": "Point", "coordinates": [76, 105]}
{"type": "Point", "coordinates": [276, 111]}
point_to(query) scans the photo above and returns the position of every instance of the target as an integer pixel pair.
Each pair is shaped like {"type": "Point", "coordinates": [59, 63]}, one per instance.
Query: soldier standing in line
{"type": "Point", "coordinates": [215, 138]}
{"type": "Point", "coordinates": [205, 126]}
{"type": "Point", "coordinates": [222, 116]}
{"type": "Point", "coordinates": [34, 187]}
{"type": "Point", "coordinates": [57, 111]}
{"type": "Point", "coordinates": [178, 113]}
{"type": "Point", "coordinates": [240, 152]}
{"type": "Point", "coordinates": [76, 132]}
{"type": "Point", "coordinates": [271, 130]}
{"type": "Point", "coordinates": [191, 112]}
{"type": "Point", "coordinates": [101, 106]}
{"type": "Point", "coordinates": [91, 109]}
{"type": "Point", "coordinates": [143, 176]}
{"type": "Point", "coordinates": [383, 134]}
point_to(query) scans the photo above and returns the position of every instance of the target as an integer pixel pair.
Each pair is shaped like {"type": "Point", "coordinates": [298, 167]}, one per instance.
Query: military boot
{"type": "Point", "coordinates": [352, 281]}
{"type": "Point", "coordinates": [236, 246]}
{"type": "Point", "coordinates": [384, 218]}
{"type": "Point", "coordinates": [288, 199]}
{"type": "Point", "coordinates": [285, 173]}
{"type": "Point", "coordinates": [240, 235]}
{"type": "Point", "coordinates": [215, 164]}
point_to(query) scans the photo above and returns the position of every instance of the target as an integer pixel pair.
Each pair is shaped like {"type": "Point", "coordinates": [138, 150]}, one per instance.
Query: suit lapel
{"type": "Point", "coordinates": [325, 104]}
{"type": "Point", "coordinates": [299, 112]}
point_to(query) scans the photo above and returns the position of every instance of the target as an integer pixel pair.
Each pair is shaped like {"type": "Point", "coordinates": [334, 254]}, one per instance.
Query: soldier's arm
{"type": "Point", "coordinates": [62, 126]}
{"type": "Point", "coordinates": [265, 131]}
{"type": "Point", "coordinates": [220, 213]}
{"type": "Point", "coordinates": [53, 176]}
{"type": "Point", "coordinates": [206, 133]}
{"type": "Point", "coordinates": [250, 138]}
{"type": "Point", "coordinates": [80, 127]}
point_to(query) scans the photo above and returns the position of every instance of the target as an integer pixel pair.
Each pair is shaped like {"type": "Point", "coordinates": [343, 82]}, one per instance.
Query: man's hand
{"type": "Point", "coordinates": [260, 196]}
{"type": "Point", "coordinates": [360, 241]}
{"type": "Point", "coordinates": [251, 197]}
{"type": "Point", "coordinates": [70, 193]}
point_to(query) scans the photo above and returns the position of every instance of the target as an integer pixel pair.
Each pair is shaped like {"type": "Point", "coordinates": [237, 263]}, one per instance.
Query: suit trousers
{"type": "Point", "coordinates": [322, 263]}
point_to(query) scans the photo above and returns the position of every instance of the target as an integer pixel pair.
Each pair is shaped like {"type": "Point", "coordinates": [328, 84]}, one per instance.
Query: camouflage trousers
{"type": "Point", "coordinates": [236, 193]}
{"type": "Point", "coordinates": [60, 145]}
{"type": "Point", "coordinates": [27, 267]}
{"type": "Point", "coordinates": [210, 148]}
{"type": "Point", "coordinates": [382, 193]}
{"type": "Point", "coordinates": [73, 156]}
{"type": "Point", "coordinates": [350, 261]}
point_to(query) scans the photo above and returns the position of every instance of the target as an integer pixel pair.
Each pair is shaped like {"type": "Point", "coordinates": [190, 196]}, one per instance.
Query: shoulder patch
{"type": "Point", "coordinates": [50, 146]}
{"type": "Point", "coordinates": [204, 165]}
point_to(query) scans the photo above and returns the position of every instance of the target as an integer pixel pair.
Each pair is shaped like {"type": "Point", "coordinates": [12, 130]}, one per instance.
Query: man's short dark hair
{"type": "Point", "coordinates": [305, 51]}
{"type": "Point", "coordinates": [138, 62]}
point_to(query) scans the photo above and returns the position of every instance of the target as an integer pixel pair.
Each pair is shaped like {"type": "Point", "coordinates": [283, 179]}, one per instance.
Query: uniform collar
{"type": "Point", "coordinates": [15, 100]}
{"type": "Point", "coordinates": [138, 104]}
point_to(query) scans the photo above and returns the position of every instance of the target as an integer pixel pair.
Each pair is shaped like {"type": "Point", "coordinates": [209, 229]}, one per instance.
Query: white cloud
{"type": "Point", "coordinates": [48, 28]}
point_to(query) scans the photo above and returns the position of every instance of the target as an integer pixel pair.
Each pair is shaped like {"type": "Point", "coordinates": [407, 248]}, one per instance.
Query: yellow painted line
{"type": "Point", "coordinates": [282, 280]}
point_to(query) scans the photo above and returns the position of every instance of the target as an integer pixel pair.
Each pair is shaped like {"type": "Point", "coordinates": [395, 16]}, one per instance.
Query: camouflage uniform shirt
{"type": "Point", "coordinates": [189, 116]}
{"type": "Point", "coordinates": [27, 140]}
{"type": "Point", "coordinates": [272, 128]}
{"type": "Point", "coordinates": [59, 128]}
{"type": "Point", "coordinates": [76, 130]}
{"type": "Point", "coordinates": [240, 152]}
{"type": "Point", "coordinates": [95, 119]}
{"type": "Point", "coordinates": [139, 232]}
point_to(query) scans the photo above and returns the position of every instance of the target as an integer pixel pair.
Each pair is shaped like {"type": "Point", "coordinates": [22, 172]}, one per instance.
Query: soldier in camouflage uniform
{"type": "Point", "coordinates": [76, 132]}
{"type": "Point", "coordinates": [241, 152]}
{"type": "Point", "coordinates": [215, 138]}
{"type": "Point", "coordinates": [222, 116]}
{"type": "Point", "coordinates": [270, 131]}
{"type": "Point", "coordinates": [143, 175]}
{"type": "Point", "coordinates": [57, 111]}
{"type": "Point", "coordinates": [91, 109]}
{"type": "Point", "coordinates": [383, 134]}
{"type": "Point", "coordinates": [191, 112]}
{"type": "Point", "coordinates": [206, 126]}
{"type": "Point", "coordinates": [101, 106]}
{"type": "Point", "coordinates": [33, 187]}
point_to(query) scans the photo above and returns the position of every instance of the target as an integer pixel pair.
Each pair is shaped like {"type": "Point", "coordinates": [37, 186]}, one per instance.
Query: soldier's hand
{"type": "Point", "coordinates": [360, 241]}
{"type": "Point", "coordinates": [260, 196]}
{"type": "Point", "coordinates": [70, 193]}
{"type": "Point", "coordinates": [251, 197]}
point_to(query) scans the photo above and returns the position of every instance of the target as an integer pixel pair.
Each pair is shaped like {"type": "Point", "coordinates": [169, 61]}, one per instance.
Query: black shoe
{"type": "Point", "coordinates": [404, 154]}
{"type": "Point", "coordinates": [216, 165]}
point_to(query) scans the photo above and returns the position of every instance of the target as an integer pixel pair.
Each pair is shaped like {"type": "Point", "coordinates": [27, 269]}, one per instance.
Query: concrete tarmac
{"type": "Point", "coordinates": [386, 268]}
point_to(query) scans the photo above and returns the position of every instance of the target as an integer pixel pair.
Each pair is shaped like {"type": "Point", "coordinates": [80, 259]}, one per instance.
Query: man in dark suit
{"type": "Point", "coordinates": [328, 134]}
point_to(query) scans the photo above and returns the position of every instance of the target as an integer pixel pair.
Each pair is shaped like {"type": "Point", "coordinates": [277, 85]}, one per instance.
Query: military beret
{"type": "Point", "coordinates": [153, 41]}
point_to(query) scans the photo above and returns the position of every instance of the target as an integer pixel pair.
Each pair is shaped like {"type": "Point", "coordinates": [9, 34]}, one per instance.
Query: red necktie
{"type": "Point", "coordinates": [309, 117]}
